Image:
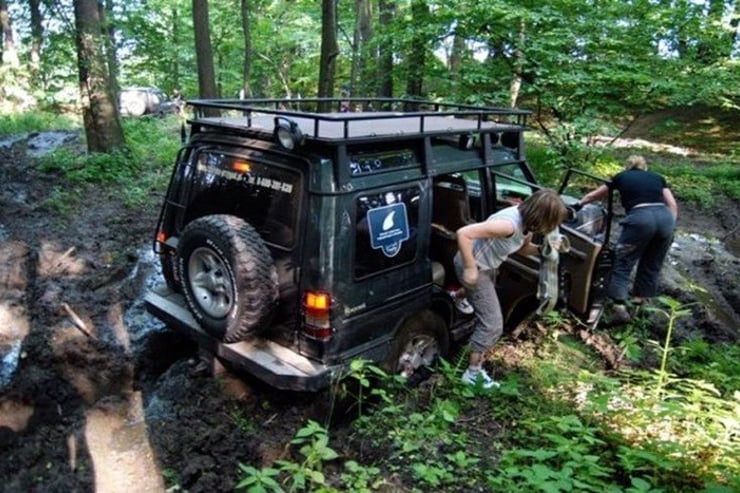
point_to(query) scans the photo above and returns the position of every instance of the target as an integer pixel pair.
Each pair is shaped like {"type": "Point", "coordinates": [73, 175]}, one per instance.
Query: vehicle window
{"type": "Point", "coordinates": [386, 228]}
{"type": "Point", "coordinates": [368, 161]}
{"type": "Point", "coordinates": [267, 196]}
{"type": "Point", "coordinates": [510, 191]}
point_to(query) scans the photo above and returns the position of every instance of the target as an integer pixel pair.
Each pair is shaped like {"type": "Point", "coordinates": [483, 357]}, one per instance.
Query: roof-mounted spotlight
{"type": "Point", "coordinates": [287, 133]}
{"type": "Point", "coordinates": [467, 141]}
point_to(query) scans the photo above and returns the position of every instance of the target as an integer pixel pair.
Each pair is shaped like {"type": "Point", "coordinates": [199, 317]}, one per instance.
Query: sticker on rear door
{"type": "Point", "coordinates": [389, 228]}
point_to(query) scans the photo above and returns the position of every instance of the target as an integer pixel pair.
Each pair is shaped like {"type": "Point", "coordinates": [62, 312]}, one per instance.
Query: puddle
{"type": "Point", "coordinates": [40, 143]}
{"type": "Point", "coordinates": [10, 140]}
{"type": "Point", "coordinates": [45, 142]}
{"type": "Point", "coordinates": [147, 273]}
{"type": "Point", "coordinates": [9, 362]}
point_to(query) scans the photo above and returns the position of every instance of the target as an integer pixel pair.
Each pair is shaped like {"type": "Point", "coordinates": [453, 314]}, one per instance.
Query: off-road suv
{"type": "Point", "coordinates": [297, 236]}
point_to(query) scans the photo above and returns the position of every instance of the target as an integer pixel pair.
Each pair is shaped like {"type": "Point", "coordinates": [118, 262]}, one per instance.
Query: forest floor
{"type": "Point", "coordinates": [96, 395]}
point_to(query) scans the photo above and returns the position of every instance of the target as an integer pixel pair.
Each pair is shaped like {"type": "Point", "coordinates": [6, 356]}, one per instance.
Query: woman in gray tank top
{"type": "Point", "coordinates": [483, 247]}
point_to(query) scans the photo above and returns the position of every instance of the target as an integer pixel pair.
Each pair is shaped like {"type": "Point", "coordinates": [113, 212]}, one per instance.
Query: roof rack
{"type": "Point", "coordinates": [346, 118]}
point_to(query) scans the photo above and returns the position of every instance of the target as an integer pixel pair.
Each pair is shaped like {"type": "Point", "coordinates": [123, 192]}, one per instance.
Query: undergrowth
{"type": "Point", "coordinates": [132, 173]}
{"type": "Point", "coordinates": [556, 424]}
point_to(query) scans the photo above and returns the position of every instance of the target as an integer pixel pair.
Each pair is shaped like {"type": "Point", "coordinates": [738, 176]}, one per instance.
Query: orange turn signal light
{"type": "Point", "coordinates": [241, 167]}
{"type": "Point", "coordinates": [317, 301]}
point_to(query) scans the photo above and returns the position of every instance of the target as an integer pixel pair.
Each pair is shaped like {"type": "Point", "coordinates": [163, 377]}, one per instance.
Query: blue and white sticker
{"type": "Point", "coordinates": [389, 228]}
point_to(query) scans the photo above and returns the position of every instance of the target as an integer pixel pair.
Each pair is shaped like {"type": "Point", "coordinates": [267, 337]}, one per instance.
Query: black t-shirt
{"type": "Point", "coordinates": [638, 186]}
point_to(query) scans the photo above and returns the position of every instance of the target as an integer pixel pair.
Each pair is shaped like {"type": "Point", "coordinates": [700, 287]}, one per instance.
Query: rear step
{"type": "Point", "coordinates": [270, 362]}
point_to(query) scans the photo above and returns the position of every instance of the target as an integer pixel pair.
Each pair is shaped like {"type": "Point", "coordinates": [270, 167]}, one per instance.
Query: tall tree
{"type": "Point", "coordinates": [9, 54]}
{"type": "Point", "coordinates": [329, 50]}
{"type": "Point", "coordinates": [247, 31]}
{"type": "Point", "coordinates": [387, 10]}
{"type": "Point", "coordinates": [204, 50]}
{"type": "Point", "coordinates": [416, 60]}
{"type": "Point", "coordinates": [360, 78]}
{"type": "Point", "coordinates": [99, 109]}
{"type": "Point", "coordinates": [37, 33]}
{"type": "Point", "coordinates": [109, 32]}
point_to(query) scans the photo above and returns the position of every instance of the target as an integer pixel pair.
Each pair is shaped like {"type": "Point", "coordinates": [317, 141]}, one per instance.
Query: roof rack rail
{"type": "Point", "coordinates": [347, 118]}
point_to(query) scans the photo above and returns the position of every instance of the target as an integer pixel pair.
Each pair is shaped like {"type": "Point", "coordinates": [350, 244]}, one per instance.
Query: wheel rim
{"type": "Point", "coordinates": [420, 352]}
{"type": "Point", "coordinates": [210, 283]}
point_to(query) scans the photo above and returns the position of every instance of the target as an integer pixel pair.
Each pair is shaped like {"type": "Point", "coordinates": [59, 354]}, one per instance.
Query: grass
{"type": "Point", "coordinates": [556, 424]}
{"type": "Point", "coordinates": [134, 174]}
{"type": "Point", "coordinates": [701, 180]}
{"type": "Point", "coordinates": [16, 123]}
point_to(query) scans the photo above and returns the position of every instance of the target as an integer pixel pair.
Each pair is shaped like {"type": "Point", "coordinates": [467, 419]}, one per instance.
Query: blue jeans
{"type": "Point", "coordinates": [647, 234]}
{"type": "Point", "coordinates": [489, 321]}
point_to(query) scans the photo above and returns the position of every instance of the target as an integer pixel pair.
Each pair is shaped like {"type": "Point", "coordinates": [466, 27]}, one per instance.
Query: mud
{"type": "Point", "coordinates": [96, 395]}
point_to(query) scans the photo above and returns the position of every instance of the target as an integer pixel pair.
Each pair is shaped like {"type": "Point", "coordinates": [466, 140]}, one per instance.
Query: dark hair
{"type": "Point", "coordinates": [543, 211]}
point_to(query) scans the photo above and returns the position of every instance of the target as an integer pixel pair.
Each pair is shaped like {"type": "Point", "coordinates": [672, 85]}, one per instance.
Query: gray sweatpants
{"type": "Point", "coordinates": [489, 322]}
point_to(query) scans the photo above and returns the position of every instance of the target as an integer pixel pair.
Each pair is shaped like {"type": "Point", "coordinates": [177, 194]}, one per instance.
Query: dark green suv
{"type": "Point", "coordinates": [296, 236]}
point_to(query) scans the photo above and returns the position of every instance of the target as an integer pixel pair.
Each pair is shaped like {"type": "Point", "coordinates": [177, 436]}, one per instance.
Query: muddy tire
{"type": "Point", "coordinates": [227, 276]}
{"type": "Point", "coordinates": [419, 344]}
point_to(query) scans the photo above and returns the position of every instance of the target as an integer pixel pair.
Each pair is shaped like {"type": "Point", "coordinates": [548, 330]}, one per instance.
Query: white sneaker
{"type": "Point", "coordinates": [479, 377]}
{"type": "Point", "coordinates": [464, 306]}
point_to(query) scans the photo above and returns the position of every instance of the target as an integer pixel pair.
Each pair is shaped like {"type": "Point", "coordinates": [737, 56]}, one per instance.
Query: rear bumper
{"type": "Point", "coordinates": [272, 363]}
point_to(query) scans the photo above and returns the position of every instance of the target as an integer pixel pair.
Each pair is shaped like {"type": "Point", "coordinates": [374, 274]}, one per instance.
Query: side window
{"type": "Point", "coordinates": [509, 187]}
{"type": "Point", "coordinates": [386, 230]}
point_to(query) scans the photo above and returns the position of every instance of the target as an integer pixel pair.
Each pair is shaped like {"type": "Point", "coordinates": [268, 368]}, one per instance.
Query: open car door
{"type": "Point", "coordinates": [583, 270]}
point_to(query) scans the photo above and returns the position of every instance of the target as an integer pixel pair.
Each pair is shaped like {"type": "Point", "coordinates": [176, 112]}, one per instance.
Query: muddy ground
{"type": "Point", "coordinates": [95, 395]}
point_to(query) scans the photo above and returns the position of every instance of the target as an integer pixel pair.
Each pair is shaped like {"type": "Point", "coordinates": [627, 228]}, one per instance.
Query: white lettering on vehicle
{"type": "Point", "coordinates": [250, 179]}
{"type": "Point", "coordinates": [349, 310]}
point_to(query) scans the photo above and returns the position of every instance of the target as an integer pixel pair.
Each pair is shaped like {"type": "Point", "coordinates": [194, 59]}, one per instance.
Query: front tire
{"type": "Point", "coordinates": [227, 275]}
{"type": "Point", "coordinates": [420, 343]}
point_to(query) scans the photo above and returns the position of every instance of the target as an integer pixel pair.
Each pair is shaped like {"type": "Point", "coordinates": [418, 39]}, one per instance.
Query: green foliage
{"type": "Point", "coordinates": [18, 123]}
{"type": "Point", "coordinates": [307, 475]}
{"type": "Point", "coordinates": [135, 172]}
{"type": "Point", "coordinates": [702, 184]}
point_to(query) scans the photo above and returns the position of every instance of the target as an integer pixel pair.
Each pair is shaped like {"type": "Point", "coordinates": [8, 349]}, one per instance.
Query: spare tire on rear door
{"type": "Point", "coordinates": [227, 275]}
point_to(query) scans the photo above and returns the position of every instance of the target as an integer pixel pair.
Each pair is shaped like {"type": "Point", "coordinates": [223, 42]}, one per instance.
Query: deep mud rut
{"type": "Point", "coordinates": [95, 395]}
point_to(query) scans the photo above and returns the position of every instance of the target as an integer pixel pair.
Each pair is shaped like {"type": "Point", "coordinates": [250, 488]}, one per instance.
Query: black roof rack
{"type": "Point", "coordinates": [333, 119]}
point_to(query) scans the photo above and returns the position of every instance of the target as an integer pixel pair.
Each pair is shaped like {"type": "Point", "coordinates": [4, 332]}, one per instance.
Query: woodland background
{"type": "Point", "coordinates": [575, 63]}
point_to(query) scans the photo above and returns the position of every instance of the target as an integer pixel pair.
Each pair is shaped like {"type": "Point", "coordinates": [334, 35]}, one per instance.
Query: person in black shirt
{"type": "Point", "coordinates": [647, 232]}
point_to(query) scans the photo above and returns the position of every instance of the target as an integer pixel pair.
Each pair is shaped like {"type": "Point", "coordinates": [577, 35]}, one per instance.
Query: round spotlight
{"type": "Point", "coordinates": [287, 134]}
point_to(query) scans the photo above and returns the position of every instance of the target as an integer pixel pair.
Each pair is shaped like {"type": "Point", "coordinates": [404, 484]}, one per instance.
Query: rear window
{"type": "Point", "coordinates": [267, 196]}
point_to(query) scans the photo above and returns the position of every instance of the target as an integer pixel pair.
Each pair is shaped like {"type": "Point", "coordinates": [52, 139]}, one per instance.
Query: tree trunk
{"type": "Point", "coordinates": [361, 81]}
{"type": "Point", "coordinates": [37, 33]}
{"type": "Point", "coordinates": [175, 63]}
{"type": "Point", "coordinates": [9, 55]}
{"type": "Point", "coordinates": [109, 31]}
{"type": "Point", "coordinates": [516, 77]}
{"type": "Point", "coordinates": [203, 50]}
{"type": "Point", "coordinates": [329, 51]}
{"type": "Point", "coordinates": [385, 52]}
{"type": "Point", "coordinates": [417, 51]}
{"type": "Point", "coordinates": [99, 110]}
{"type": "Point", "coordinates": [455, 63]}
{"type": "Point", "coordinates": [246, 91]}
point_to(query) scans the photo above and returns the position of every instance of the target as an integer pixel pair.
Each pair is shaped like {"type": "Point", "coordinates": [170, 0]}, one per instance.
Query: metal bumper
{"type": "Point", "coordinates": [276, 365]}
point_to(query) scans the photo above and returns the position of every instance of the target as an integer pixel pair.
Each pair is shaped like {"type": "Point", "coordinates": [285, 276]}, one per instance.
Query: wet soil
{"type": "Point", "coordinates": [96, 395]}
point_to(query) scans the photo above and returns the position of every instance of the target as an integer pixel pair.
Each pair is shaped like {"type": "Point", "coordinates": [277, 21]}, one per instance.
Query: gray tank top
{"type": "Point", "coordinates": [489, 253]}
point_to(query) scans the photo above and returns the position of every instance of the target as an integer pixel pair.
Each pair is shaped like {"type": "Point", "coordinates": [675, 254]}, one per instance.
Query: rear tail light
{"type": "Point", "coordinates": [317, 315]}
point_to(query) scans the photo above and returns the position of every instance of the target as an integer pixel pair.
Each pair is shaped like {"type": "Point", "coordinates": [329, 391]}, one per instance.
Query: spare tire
{"type": "Point", "coordinates": [227, 275]}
